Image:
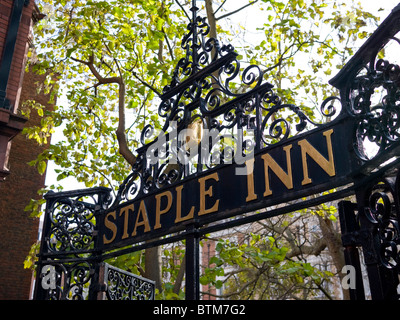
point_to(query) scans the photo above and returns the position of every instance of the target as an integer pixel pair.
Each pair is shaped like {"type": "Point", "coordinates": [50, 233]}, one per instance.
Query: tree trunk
{"type": "Point", "coordinates": [179, 278]}
{"type": "Point", "coordinates": [211, 19]}
{"type": "Point", "coordinates": [152, 261]}
{"type": "Point", "coordinates": [335, 248]}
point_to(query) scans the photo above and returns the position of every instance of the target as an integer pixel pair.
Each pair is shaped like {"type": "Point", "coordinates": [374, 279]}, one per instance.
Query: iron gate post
{"type": "Point", "coordinates": [370, 257]}
{"type": "Point", "coordinates": [192, 287]}
{"type": "Point", "coordinates": [98, 287]}
{"type": "Point", "coordinates": [96, 284]}
{"type": "Point", "coordinates": [382, 281]}
{"type": "Point", "coordinates": [39, 292]}
{"type": "Point", "coordinates": [350, 240]}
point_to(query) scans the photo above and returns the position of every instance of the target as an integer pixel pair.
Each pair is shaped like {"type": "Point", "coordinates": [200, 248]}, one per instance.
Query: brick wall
{"type": "Point", "coordinates": [208, 251]}
{"type": "Point", "coordinates": [17, 230]}
{"type": "Point", "coordinates": [21, 47]}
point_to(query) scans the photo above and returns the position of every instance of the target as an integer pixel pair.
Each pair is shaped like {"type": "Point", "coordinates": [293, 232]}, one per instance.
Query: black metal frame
{"type": "Point", "coordinates": [200, 94]}
{"type": "Point", "coordinates": [372, 222]}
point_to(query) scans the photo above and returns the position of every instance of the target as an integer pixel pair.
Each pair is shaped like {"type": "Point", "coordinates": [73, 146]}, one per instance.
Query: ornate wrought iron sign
{"type": "Point", "coordinates": [226, 149]}
{"type": "Point", "coordinates": [299, 166]}
{"type": "Point", "coordinates": [201, 168]}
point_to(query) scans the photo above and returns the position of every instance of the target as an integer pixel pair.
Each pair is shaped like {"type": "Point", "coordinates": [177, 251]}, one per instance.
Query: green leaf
{"type": "Point", "coordinates": [160, 23]}
{"type": "Point", "coordinates": [204, 280]}
{"type": "Point", "coordinates": [41, 167]}
{"type": "Point", "coordinates": [40, 112]}
{"type": "Point", "coordinates": [69, 52]}
{"type": "Point", "coordinates": [219, 284]}
{"type": "Point", "coordinates": [218, 262]}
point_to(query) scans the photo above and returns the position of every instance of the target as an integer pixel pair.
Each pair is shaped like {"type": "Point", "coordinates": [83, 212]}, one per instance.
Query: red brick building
{"type": "Point", "coordinates": [20, 182]}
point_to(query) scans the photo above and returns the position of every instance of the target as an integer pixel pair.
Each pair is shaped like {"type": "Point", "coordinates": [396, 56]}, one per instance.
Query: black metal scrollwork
{"type": "Point", "coordinates": [122, 285]}
{"type": "Point", "coordinates": [68, 243]}
{"type": "Point", "coordinates": [375, 102]}
{"type": "Point", "coordinates": [72, 226]}
{"type": "Point", "coordinates": [72, 281]}
{"type": "Point", "coordinates": [387, 227]}
{"type": "Point", "coordinates": [72, 221]}
{"type": "Point", "coordinates": [382, 213]}
{"type": "Point", "coordinates": [214, 110]}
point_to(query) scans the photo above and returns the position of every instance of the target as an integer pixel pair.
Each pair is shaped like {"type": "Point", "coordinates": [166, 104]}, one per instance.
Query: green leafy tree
{"type": "Point", "coordinates": [111, 59]}
{"type": "Point", "coordinates": [258, 268]}
{"type": "Point", "coordinates": [286, 257]}
{"type": "Point", "coordinates": [110, 56]}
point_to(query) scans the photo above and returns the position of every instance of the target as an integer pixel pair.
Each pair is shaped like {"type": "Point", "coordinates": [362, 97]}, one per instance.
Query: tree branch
{"type": "Point", "coordinates": [146, 84]}
{"type": "Point", "coordinates": [314, 250]}
{"type": "Point", "coordinates": [222, 4]}
{"type": "Point", "coordinates": [98, 76]}
{"type": "Point", "coordinates": [236, 11]}
{"type": "Point", "coordinates": [121, 135]}
{"type": "Point", "coordinates": [183, 9]}
{"type": "Point", "coordinates": [171, 52]}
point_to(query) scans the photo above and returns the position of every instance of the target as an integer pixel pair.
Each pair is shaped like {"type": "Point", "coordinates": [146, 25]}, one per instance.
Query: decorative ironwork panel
{"type": "Point", "coordinates": [375, 101]}
{"type": "Point", "coordinates": [376, 230]}
{"type": "Point", "coordinates": [67, 258]}
{"type": "Point", "coordinates": [123, 285]}
{"type": "Point", "coordinates": [216, 112]}
{"type": "Point", "coordinates": [370, 93]}
{"type": "Point", "coordinates": [379, 217]}
{"type": "Point", "coordinates": [70, 220]}
{"type": "Point", "coordinates": [65, 281]}
{"type": "Point", "coordinates": [369, 86]}
{"type": "Point", "coordinates": [382, 213]}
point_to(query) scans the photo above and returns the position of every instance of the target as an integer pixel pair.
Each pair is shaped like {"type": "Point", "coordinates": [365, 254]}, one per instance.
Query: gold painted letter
{"type": "Point", "coordinates": [286, 178]}
{"type": "Point", "coordinates": [145, 220]}
{"type": "Point", "coordinates": [208, 192]}
{"type": "Point", "coordinates": [159, 212]}
{"type": "Point", "coordinates": [111, 226]}
{"type": "Point", "coordinates": [179, 217]}
{"type": "Point", "coordinates": [327, 165]}
{"type": "Point", "coordinates": [126, 219]}
{"type": "Point", "coordinates": [250, 180]}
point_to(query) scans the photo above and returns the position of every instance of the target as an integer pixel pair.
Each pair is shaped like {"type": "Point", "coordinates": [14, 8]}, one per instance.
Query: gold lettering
{"type": "Point", "coordinates": [111, 226]}
{"type": "Point", "coordinates": [286, 178]}
{"type": "Point", "coordinates": [125, 211]}
{"type": "Point", "coordinates": [208, 192]}
{"type": "Point", "coordinates": [145, 220]}
{"type": "Point", "coordinates": [327, 165]}
{"type": "Point", "coordinates": [159, 212]}
{"type": "Point", "coordinates": [250, 181]}
{"type": "Point", "coordinates": [179, 217]}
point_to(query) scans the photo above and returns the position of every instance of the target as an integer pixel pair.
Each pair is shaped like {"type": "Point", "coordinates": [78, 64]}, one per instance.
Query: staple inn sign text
{"type": "Point", "coordinates": [309, 163]}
